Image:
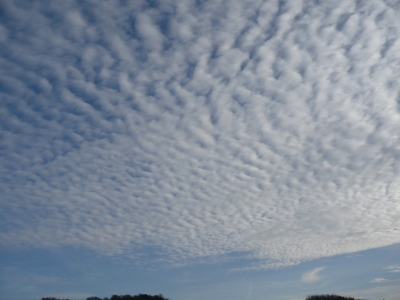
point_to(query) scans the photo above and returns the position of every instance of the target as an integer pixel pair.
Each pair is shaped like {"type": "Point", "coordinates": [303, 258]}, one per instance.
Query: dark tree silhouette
{"type": "Point", "coordinates": [138, 297]}
{"type": "Point", "coordinates": [161, 297]}
{"type": "Point", "coordinates": [121, 297]}
{"type": "Point", "coordinates": [329, 297]}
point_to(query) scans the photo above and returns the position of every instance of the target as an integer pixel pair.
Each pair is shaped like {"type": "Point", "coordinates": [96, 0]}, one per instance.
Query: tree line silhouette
{"type": "Point", "coordinates": [329, 297]}
{"type": "Point", "coordinates": [161, 297]}
{"type": "Point", "coordinates": [121, 297]}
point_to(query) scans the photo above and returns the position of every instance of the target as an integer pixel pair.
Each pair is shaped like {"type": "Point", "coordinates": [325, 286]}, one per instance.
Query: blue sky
{"type": "Point", "coordinates": [245, 149]}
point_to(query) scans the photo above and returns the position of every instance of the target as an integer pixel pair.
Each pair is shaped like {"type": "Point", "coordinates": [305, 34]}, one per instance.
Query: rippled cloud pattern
{"type": "Point", "coordinates": [201, 129]}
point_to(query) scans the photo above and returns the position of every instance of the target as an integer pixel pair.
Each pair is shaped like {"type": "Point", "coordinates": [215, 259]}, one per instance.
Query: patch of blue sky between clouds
{"type": "Point", "coordinates": [77, 273]}
{"type": "Point", "coordinates": [269, 128]}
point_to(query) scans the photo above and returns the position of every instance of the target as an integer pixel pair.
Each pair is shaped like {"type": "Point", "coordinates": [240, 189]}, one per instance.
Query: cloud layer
{"type": "Point", "coordinates": [201, 128]}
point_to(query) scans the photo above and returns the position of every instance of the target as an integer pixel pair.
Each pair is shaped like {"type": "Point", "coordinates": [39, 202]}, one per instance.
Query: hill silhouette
{"type": "Point", "coordinates": [161, 297]}
{"type": "Point", "coordinates": [120, 297]}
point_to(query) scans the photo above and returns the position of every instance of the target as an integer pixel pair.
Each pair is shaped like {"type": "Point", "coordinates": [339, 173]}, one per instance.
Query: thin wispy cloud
{"type": "Point", "coordinates": [393, 269]}
{"type": "Point", "coordinates": [195, 130]}
{"type": "Point", "coordinates": [312, 276]}
{"type": "Point", "coordinates": [379, 280]}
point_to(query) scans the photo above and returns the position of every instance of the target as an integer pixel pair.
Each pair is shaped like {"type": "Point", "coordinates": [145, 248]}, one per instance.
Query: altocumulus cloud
{"type": "Point", "coordinates": [201, 128]}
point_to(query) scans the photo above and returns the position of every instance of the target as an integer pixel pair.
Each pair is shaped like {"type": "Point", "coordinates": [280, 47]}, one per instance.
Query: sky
{"type": "Point", "coordinates": [200, 149]}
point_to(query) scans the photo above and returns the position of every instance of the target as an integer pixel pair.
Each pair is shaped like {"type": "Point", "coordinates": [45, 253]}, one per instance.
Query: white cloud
{"type": "Point", "coordinates": [201, 130]}
{"type": "Point", "coordinates": [379, 280]}
{"type": "Point", "coordinates": [393, 269]}
{"type": "Point", "coordinates": [312, 276]}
